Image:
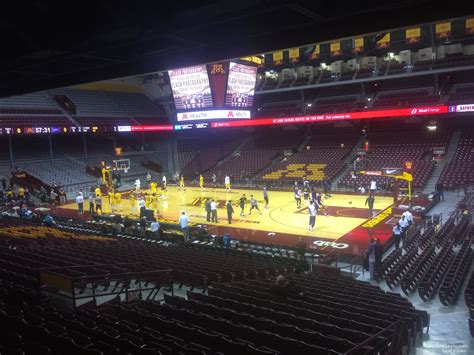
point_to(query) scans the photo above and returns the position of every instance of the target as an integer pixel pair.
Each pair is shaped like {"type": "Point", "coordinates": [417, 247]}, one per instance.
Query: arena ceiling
{"type": "Point", "coordinates": [48, 44]}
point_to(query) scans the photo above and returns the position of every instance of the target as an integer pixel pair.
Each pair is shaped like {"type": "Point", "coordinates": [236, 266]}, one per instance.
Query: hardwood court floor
{"type": "Point", "coordinates": [344, 212]}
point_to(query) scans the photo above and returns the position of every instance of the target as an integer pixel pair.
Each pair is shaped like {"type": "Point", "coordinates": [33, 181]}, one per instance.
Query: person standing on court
{"type": "Point", "coordinates": [298, 197]}
{"type": "Point", "coordinates": [230, 211]}
{"type": "Point", "coordinates": [184, 224]}
{"type": "Point", "coordinates": [98, 204]}
{"type": "Point", "coordinates": [254, 205]}
{"type": "Point", "coordinates": [80, 202]}
{"type": "Point", "coordinates": [213, 211]}
{"type": "Point", "coordinates": [242, 201]}
{"type": "Point", "coordinates": [91, 204]}
{"type": "Point", "coordinates": [312, 215]}
{"type": "Point", "coordinates": [265, 197]}
{"type": "Point", "coordinates": [370, 202]}
{"type": "Point", "coordinates": [201, 181]}
{"type": "Point", "coordinates": [207, 206]}
{"type": "Point", "coordinates": [227, 183]}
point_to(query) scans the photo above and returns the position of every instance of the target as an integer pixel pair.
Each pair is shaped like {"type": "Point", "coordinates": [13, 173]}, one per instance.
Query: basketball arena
{"type": "Point", "coordinates": [306, 188]}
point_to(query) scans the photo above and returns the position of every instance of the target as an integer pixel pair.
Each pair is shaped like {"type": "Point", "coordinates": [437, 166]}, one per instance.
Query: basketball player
{"type": "Point", "coordinates": [154, 187]}
{"type": "Point", "coordinates": [242, 201]}
{"type": "Point", "coordinates": [306, 195]}
{"type": "Point", "coordinates": [312, 210]}
{"type": "Point", "coordinates": [133, 203]}
{"type": "Point", "coordinates": [112, 201]}
{"type": "Point", "coordinates": [254, 205]}
{"type": "Point", "coordinates": [227, 183]}
{"type": "Point", "coordinates": [181, 183]}
{"type": "Point", "coordinates": [265, 197]}
{"type": "Point", "coordinates": [298, 197]}
{"type": "Point", "coordinates": [118, 201]}
{"type": "Point", "coordinates": [201, 181]}
{"type": "Point", "coordinates": [98, 204]}
{"type": "Point", "coordinates": [137, 185]}
{"type": "Point", "coordinates": [214, 179]}
{"type": "Point", "coordinates": [370, 202]}
{"type": "Point", "coordinates": [163, 182]}
{"type": "Point", "coordinates": [98, 191]}
{"type": "Point", "coordinates": [230, 211]}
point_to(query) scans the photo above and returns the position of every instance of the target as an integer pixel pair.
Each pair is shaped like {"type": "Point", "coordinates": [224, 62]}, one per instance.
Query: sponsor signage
{"type": "Point", "coordinates": [414, 111]}
{"type": "Point", "coordinates": [322, 243]}
{"type": "Point", "coordinates": [462, 108]}
{"type": "Point", "coordinates": [392, 171]}
{"type": "Point", "coordinates": [213, 115]}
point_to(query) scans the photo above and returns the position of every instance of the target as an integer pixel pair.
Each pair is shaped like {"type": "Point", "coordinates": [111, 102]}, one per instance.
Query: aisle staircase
{"type": "Point", "coordinates": [348, 163]}
{"type": "Point", "coordinates": [430, 185]}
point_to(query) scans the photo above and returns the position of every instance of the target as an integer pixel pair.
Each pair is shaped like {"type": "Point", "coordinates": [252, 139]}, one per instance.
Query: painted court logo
{"type": "Point", "coordinates": [322, 243]}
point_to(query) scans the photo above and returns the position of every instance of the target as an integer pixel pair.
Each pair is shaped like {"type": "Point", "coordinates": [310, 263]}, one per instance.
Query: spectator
{"type": "Point", "coordinates": [408, 216]}
{"type": "Point", "coordinates": [440, 190]}
{"type": "Point", "coordinates": [404, 225]}
{"type": "Point", "coordinates": [49, 221]}
{"type": "Point", "coordinates": [155, 229]}
{"type": "Point", "coordinates": [184, 224]}
{"type": "Point", "coordinates": [396, 235]}
{"type": "Point", "coordinates": [373, 253]}
{"type": "Point", "coordinates": [282, 288]}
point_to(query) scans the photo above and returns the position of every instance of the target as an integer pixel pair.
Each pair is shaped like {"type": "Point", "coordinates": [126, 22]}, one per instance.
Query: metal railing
{"type": "Point", "coordinates": [58, 281]}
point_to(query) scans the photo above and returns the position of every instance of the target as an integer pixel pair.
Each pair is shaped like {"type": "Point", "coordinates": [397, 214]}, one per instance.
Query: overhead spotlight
{"type": "Point", "coordinates": [309, 104]}
{"type": "Point", "coordinates": [431, 128]}
{"type": "Point", "coordinates": [369, 99]}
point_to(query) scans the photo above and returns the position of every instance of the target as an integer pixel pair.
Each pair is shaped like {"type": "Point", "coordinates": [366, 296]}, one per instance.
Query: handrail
{"type": "Point", "coordinates": [66, 286]}
{"type": "Point", "coordinates": [395, 344]}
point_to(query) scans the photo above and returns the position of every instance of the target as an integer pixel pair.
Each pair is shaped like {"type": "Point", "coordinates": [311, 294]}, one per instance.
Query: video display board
{"type": "Point", "coordinates": [191, 88]}
{"type": "Point", "coordinates": [240, 85]}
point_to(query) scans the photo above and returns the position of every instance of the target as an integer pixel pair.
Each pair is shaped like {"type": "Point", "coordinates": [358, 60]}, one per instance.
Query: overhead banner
{"type": "Point", "coordinates": [240, 85]}
{"type": "Point", "coordinates": [218, 73]}
{"type": "Point", "coordinates": [358, 44]}
{"type": "Point", "coordinates": [384, 42]}
{"type": "Point", "coordinates": [443, 30]}
{"type": "Point", "coordinates": [254, 59]}
{"type": "Point", "coordinates": [294, 55]}
{"type": "Point", "coordinates": [470, 26]}
{"type": "Point", "coordinates": [335, 49]}
{"type": "Point", "coordinates": [412, 35]}
{"type": "Point", "coordinates": [191, 87]}
{"type": "Point", "coordinates": [277, 58]}
{"type": "Point", "coordinates": [316, 52]}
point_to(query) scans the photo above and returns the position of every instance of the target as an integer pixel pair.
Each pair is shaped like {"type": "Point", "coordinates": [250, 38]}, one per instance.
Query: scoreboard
{"type": "Point", "coordinates": [218, 91]}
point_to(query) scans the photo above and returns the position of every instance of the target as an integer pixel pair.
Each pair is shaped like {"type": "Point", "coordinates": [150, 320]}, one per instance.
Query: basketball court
{"type": "Point", "coordinates": [282, 223]}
